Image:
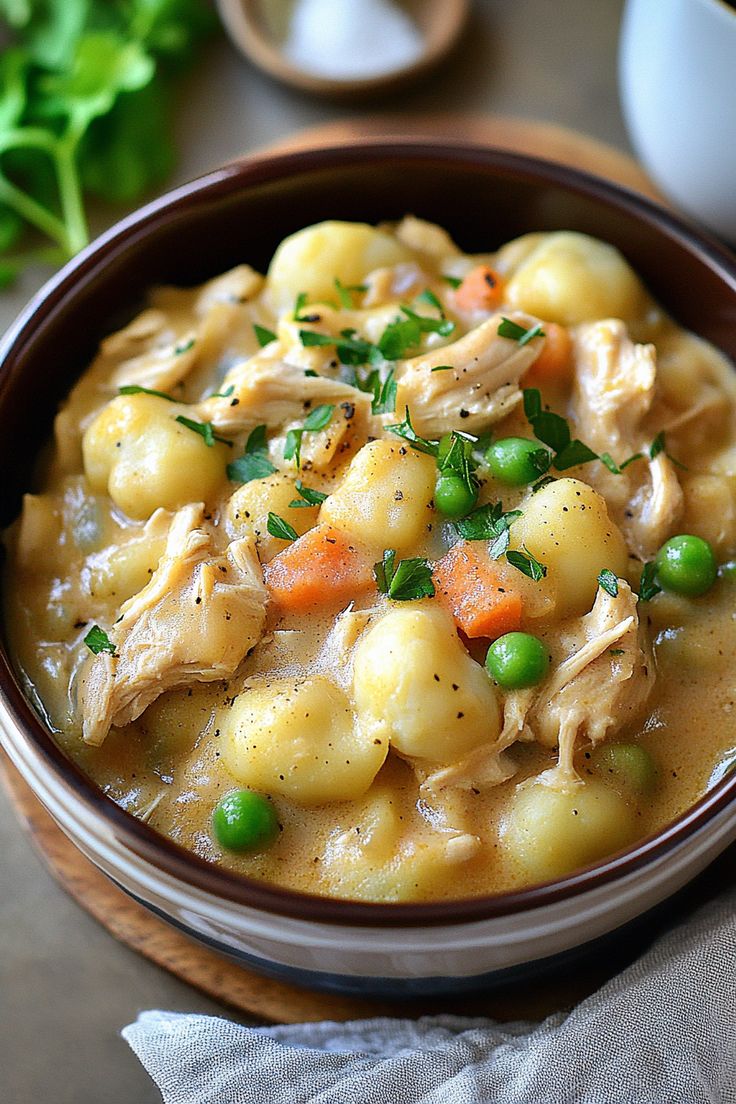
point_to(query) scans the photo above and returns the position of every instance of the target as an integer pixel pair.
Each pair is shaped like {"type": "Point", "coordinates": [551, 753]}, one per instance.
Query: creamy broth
{"type": "Point", "coordinates": [264, 557]}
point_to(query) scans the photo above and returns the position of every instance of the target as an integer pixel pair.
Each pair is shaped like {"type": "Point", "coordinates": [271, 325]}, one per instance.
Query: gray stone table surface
{"type": "Point", "coordinates": [66, 986]}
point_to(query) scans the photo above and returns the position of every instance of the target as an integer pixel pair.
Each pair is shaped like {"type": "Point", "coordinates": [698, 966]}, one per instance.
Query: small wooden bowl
{"type": "Point", "coordinates": [254, 33]}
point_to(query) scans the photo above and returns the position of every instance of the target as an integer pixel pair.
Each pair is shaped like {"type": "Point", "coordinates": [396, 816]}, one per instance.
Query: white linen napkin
{"type": "Point", "coordinates": [662, 1032]}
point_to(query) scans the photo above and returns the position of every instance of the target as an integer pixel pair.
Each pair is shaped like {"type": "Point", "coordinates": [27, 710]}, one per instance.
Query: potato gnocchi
{"type": "Point", "coordinates": [395, 574]}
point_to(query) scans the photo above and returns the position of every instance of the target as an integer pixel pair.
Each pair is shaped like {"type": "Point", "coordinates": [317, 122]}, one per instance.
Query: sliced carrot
{"type": "Point", "coordinates": [482, 289]}
{"type": "Point", "coordinates": [554, 363]}
{"type": "Point", "coordinates": [471, 586]}
{"type": "Point", "coordinates": [322, 568]}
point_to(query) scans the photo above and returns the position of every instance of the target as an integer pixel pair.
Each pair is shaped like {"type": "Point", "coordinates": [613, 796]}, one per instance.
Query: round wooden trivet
{"type": "Point", "coordinates": [133, 924]}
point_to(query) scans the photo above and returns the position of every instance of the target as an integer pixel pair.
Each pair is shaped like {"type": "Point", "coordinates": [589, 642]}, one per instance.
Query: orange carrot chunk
{"type": "Point", "coordinates": [323, 568]}
{"type": "Point", "coordinates": [482, 289]}
{"type": "Point", "coordinates": [554, 363]}
{"type": "Point", "coordinates": [471, 587]}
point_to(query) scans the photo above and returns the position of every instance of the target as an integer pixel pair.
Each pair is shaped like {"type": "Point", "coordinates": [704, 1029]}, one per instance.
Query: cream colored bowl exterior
{"type": "Point", "coordinates": [461, 950]}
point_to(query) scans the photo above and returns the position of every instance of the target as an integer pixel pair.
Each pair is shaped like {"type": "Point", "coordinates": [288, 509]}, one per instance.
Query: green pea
{"type": "Point", "coordinates": [517, 660]}
{"type": "Point", "coordinates": [517, 460]}
{"type": "Point", "coordinates": [630, 765]}
{"type": "Point", "coordinates": [245, 821]}
{"type": "Point", "coordinates": [686, 565]}
{"type": "Point", "coordinates": [453, 497]}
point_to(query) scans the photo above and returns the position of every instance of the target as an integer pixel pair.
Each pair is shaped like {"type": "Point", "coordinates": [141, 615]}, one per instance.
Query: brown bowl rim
{"type": "Point", "coordinates": [142, 840]}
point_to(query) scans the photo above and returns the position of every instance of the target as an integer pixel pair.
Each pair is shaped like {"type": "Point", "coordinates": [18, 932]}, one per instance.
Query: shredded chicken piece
{"type": "Point", "coordinates": [196, 619]}
{"type": "Point", "coordinates": [487, 765]}
{"type": "Point", "coordinates": [614, 390]}
{"type": "Point", "coordinates": [483, 386]}
{"type": "Point", "coordinates": [268, 390]}
{"type": "Point", "coordinates": [594, 692]}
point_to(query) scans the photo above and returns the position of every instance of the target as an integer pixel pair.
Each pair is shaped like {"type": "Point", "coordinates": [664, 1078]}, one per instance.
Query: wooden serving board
{"type": "Point", "coordinates": [133, 924]}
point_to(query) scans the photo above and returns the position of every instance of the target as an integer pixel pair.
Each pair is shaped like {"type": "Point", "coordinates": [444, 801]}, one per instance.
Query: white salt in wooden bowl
{"type": "Point", "coordinates": [259, 29]}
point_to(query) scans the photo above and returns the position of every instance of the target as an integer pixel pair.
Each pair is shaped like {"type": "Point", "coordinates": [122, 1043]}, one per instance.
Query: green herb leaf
{"type": "Point", "coordinates": [222, 394]}
{"type": "Point", "coordinates": [406, 581]}
{"type": "Point", "coordinates": [406, 430]}
{"type": "Point", "coordinates": [532, 402]}
{"type": "Point", "coordinates": [657, 445]}
{"type": "Point", "coordinates": [648, 587]}
{"type": "Point", "coordinates": [517, 333]}
{"type": "Point", "coordinates": [277, 527]}
{"type": "Point", "coordinates": [254, 463]}
{"type": "Point", "coordinates": [453, 281]}
{"type": "Point", "coordinates": [527, 564]}
{"type": "Point", "coordinates": [616, 651]}
{"type": "Point", "coordinates": [98, 641]}
{"type": "Point", "coordinates": [631, 459]}
{"type": "Point", "coordinates": [346, 299]}
{"type": "Point", "coordinates": [429, 297]}
{"type": "Point", "coordinates": [607, 459]}
{"type": "Point", "coordinates": [184, 347]}
{"type": "Point", "coordinates": [441, 326]}
{"type": "Point", "coordinates": [384, 394]}
{"type": "Point", "coordinates": [299, 305]}
{"type": "Point", "coordinates": [134, 389]}
{"type": "Point", "coordinates": [383, 572]}
{"type": "Point", "coordinates": [205, 431]}
{"type": "Point", "coordinates": [443, 368]}
{"type": "Point", "coordinates": [308, 496]}
{"type": "Point", "coordinates": [293, 446]}
{"type": "Point", "coordinates": [350, 349]}
{"type": "Point", "coordinates": [263, 336]}
{"type": "Point", "coordinates": [488, 522]}
{"type": "Point", "coordinates": [573, 454]}
{"type": "Point", "coordinates": [608, 582]}
{"type": "Point", "coordinates": [319, 418]}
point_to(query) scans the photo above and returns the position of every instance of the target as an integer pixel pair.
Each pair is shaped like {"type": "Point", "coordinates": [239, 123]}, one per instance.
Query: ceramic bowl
{"type": "Point", "coordinates": [241, 212]}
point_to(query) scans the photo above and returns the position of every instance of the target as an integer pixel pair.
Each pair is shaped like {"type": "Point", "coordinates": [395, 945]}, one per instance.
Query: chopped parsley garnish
{"type": "Point", "coordinates": [453, 281]}
{"type": "Point", "coordinates": [184, 347]}
{"type": "Point", "coordinates": [572, 455]}
{"type": "Point", "coordinates": [517, 333]}
{"type": "Point", "coordinates": [222, 394]}
{"type": "Point", "coordinates": [527, 564]}
{"type": "Point", "coordinates": [648, 587]}
{"type": "Point", "coordinates": [308, 496]}
{"type": "Point", "coordinates": [350, 349]}
{"type": "Point", "coordinates": [134, 389]}
{"type": "Point", "coordinates": [317, 419]}
{"type": "Point", "coordinates": [488, 522]}
{"type": "Point", "coordinates": [263, 336]}
{"type": "Point", "coordinates": [443, 368]}
{"type": "Point", "coordinates": [616, 651]}
{"type": "Point", "coordinates": [455, 457]}
{"type": "Point", "coordinates": [205, 431]}
{"type": "Point", "coordinates": [608, 582]}
{"type": "Point", "coordinates": [406, 581]}
{"type": "Point", "coordinates": [277, 527]}
{"type": "Point", "coordinates": [344, 290]}
{"type": "Point", "coordinates": [254, 463]}
{"type": "Point", "coordinates": [406, 430]}
{"type": "Point", "coordinates": [429, 297]}
{"type": "Point", "coordinates": [553, 430]}
{"type": "Point", "coordinates": [299, 305]}
{"type": "Point", "coordinates": [98, 641]}
{"type": "Point", "coordinates": [384, 392]}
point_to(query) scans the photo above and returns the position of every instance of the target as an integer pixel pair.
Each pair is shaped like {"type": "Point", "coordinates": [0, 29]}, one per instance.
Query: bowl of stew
{"type": "Point", "coordinates": [370, 519]}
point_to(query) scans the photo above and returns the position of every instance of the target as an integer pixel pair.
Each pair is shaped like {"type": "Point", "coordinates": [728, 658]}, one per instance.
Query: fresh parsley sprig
{"type": "Point", "coordinates": [608, 581]}
{"type": "Point", "coordinates": [98, 641]}
{"type": "Point", "coordinates": [406, 430]}
{"type": "Point", "coordinates": [307, 497]}
{"type": "Point", "coordinates": [648, 586]}
{"type": "Point", "coordinates": [264, 336]}
{"type": "Point", "coordinates": [317, 419]}
{"type": "Point", "coordinates": [517, 333]}
{"type": "Point", "coordinates": [491, 523]}
{"type": "Point", "coordinates": [405, 581]}
{"type": "Point", "coordinates": [527, 564]}
{"type": "Point", "coordinates": [277, 527]}
{"type": "Point", "coordinates": [205, 431]}
{"type": "Point", "coordinates": [135, 389]}
{"type": "Point", "coordinates": [254, 463]}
